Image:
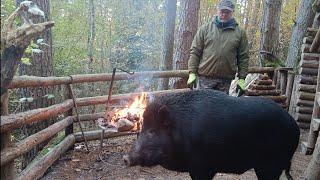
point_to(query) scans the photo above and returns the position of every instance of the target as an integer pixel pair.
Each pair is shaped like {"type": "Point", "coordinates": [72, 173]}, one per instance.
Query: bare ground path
{"type": "Point", "coordinates": [78, 164]}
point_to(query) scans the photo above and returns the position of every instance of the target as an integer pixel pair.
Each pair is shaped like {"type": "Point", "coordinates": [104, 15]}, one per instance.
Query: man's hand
{"type": "Point", "coordinates": [241, 84]}
{"type": "Point", "coordinates": [240, 87]}
{"type": "Point", "coordinates": [191, 80]}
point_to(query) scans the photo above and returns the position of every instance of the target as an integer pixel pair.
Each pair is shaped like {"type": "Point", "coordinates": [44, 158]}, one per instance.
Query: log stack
{"type": "Point", "coordinates": [306, 80]}
{"type": "Point", "coordinates": [265, 87]}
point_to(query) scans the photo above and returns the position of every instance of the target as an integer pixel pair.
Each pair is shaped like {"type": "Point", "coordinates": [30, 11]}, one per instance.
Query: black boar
{"type": "Point", "coordinates": [204, 132]}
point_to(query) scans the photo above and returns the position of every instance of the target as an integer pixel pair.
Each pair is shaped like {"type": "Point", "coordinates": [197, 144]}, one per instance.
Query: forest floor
{"type": "Point", "coordinates": [78, 164]}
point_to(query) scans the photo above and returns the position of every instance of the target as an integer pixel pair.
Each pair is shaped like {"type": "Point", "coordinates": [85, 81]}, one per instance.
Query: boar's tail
{"type": "Point", "coordinates": [287, 172]}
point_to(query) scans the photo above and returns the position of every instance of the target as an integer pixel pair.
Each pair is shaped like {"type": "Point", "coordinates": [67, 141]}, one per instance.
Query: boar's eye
{"type": "Point", "coordinates": [151, 133]}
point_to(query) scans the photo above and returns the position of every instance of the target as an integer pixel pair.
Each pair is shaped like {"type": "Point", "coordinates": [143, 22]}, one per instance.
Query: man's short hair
{"type": "Point", "coordinates": [226, 4]}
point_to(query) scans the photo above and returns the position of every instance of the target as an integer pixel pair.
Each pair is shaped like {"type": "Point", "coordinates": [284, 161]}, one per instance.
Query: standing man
{"type": "Point", "coordinates": [219, 50]}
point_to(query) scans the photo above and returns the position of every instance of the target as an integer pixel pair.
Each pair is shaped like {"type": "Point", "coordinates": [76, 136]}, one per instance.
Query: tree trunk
{"type": "Point", "coordinates": [247, 15]}
{"type": "Point", "coordinates": [270, 31]}
{"type": "Point", "coordinates": [41, 65]}
{"type": "Point", "coordinates": [304, 19]}
{"type": "Point", "coordinates": [253, 22]}
{"type": "Point", "coordinates": [91, 39]}
{"type": "Point", "coordinates": [187, 29]}
{"type": "Point", "coordinates": [168, 40]}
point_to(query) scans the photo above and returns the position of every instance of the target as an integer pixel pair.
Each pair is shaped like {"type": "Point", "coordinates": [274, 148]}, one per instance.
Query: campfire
{"type": "Point", "coordinates": [125, 118]}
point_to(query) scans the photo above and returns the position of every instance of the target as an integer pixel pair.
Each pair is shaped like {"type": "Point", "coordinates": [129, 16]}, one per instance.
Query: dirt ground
{"type": "Point", "coordinates": [78, 164]}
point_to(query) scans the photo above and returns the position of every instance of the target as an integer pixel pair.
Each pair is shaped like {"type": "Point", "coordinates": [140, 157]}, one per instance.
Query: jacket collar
{"type": "Point", "coordinates": [231, 24]}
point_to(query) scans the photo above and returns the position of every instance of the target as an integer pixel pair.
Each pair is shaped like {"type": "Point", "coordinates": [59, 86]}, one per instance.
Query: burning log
{"type": "Point", "coordinates": [124, 125]}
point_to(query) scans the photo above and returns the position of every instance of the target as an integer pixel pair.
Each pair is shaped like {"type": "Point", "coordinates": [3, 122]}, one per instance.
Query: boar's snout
{"type": "Point", "coordinates": [126, 160]}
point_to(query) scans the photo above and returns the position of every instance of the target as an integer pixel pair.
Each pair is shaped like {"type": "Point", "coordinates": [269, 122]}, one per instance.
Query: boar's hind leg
{"type": "Point", "coordinates": [202, 175]}
{"type": "Point", "coordinates": [268, 174]}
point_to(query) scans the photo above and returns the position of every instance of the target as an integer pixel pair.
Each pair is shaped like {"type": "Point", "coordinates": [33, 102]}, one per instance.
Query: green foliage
{"type": "Point", "coordinates": [276, 63]}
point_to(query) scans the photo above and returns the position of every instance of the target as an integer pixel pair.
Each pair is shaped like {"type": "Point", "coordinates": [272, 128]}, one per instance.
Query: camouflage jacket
{"type": "Point", "coordinates": [219, 52]}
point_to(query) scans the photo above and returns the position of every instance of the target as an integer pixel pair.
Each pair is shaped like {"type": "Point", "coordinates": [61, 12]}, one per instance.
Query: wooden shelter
{"type": "Point", "coordinates": [302, 101]}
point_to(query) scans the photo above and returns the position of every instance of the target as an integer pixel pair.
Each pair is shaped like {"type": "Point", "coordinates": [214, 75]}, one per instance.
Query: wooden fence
{"type": "Point", "coordinates": [9, 122]}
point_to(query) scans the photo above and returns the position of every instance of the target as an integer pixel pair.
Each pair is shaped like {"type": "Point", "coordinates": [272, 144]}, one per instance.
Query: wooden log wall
{"type": "Point", "coordinates": [306, 81]}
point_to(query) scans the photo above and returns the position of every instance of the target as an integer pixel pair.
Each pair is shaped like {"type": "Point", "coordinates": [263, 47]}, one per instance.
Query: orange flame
{"type": "Point", "coordinates": [137, 107]}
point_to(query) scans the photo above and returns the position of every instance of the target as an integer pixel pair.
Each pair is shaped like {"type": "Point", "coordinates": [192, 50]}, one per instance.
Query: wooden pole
{"type": "Point", "coordinates": [8, 171]}
{"type": "Point", "coordinates": [25, 145]}
{"type": "Point", "coordinates": [77, 114]}
{"type": "Point", "coordinates": [289, 87]}
{"type": "Point", "coordinates": [33, 81]}
{"type": "Point", "coordinates": [69, 129]}
{"type": "Point", "coordinates": [38, 167]}
{"type": "Point", "coordinates": [283, 82]}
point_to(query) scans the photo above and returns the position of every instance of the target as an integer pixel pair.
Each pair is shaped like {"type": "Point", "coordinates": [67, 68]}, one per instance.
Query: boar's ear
{"type": "Point", "coordinates": [164, 115]}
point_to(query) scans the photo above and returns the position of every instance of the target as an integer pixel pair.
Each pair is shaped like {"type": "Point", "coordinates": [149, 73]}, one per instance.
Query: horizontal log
{"type": "Point", "coordinates": [308, 71]}
{"type": "Point", "coordinates": [262, 92]}
{"type": "Point", "coordinates": [307, 88]}
{"type": "Point", "coordinates": [25, 145]}
{"type": "Point", "coordinates": [14, 121]}
{"type": "Point", "coordinates": [310, 56]}
{"type": "Point", "coordinates": [264, 82]}
{"type": "Point", "coordinates": [90, 117]}
{"type": "Point", "coordinates": [303, 117]}
{"type": "Point", "coordinates": [277, 99]}
{"type": "Point", "coordinates": [306, 96]}
{"type": "Point", "coordinates": [305, 48]}
{"type": "Point", "coordinates": [116, 98]}
{"type": "Point", "coordinates": [34, 81]}
{"type": "Point", "coordinates": [309, 64]}
{"type": "Point", "coordinates": [307, 79]}
{"type": "Point", "coordinates": [261, 69]}
{"type": "Point", "coordinates": [307, 40]}
{"type": "Point", "coordinates": [301, 102]}
{"type": "Point", "coordinates": [38, 167]}
{"type": "Point", "coordinates": [262, 87]}
{"type": "Point", "coordinates": [304, 125]}
{"type": "Point", "coordinates": [96, 135]}
{"type": "Point", "coordinates": [304, 110]}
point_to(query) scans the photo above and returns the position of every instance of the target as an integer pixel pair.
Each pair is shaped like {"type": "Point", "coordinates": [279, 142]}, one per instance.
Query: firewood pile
{"type": "Point", "coordinates": [264, 86]}
{"type": "Point", "coordinates": [306, 81]}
